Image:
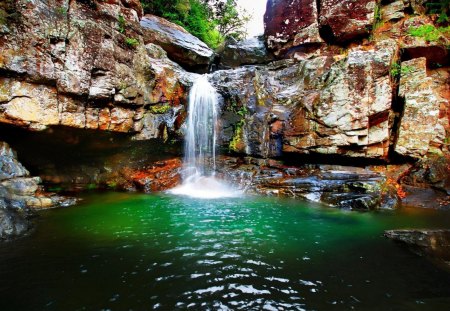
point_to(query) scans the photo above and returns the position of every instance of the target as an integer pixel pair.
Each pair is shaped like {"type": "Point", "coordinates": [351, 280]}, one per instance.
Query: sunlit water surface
{"type": "Point", "coordinates": [145, 252]}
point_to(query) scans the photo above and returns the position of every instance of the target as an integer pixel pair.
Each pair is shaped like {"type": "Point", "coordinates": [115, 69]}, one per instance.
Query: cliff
{"type": "Point", "coordinates": [336, 82]}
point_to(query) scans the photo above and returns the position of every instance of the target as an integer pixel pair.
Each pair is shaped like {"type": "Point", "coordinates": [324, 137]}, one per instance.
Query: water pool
{"type": "Point", "coordinates": [121, 251]}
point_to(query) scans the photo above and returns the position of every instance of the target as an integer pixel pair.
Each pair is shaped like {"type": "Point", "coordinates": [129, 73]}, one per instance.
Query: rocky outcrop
{"type": "Point", "coordinates": [421, 110]}
{"type": "Point", "coordinates": [291, 23]}
{"type": "Point", "coordinates": [18, 189]}
{"type": "Point", "coordinates": [327, 105]}
{"type": "Point", "coordinates": [345, 20]}
{"type": "Point", "coordinates": [248, 52]}
{"type": "Point", "coordinates": [20, 193]}
{"type": "Point", "coordinates": [343, 187]}
{"type": "Point", "coordinates": [434, 244]}
{"type": "Point", "coordinates": [84, 65]}
{"type": "Point", "coordinates": [181, 47]}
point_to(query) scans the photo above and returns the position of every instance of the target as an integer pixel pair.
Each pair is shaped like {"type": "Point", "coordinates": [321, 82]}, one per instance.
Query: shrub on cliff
{"type": "Point", "coordinates": [212, 21]}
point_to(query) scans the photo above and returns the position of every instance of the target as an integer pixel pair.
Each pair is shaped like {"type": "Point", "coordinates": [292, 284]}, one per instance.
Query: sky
{"type": "Point", "coordinates": [256, 9]}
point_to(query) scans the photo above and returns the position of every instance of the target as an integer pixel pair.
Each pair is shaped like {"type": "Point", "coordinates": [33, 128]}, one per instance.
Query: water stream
{"type": "Point", "coordinates": [200, 145]}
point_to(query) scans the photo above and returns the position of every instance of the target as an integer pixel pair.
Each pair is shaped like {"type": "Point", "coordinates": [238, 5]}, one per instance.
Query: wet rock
{"type": "Point", "coordinates": [342, 187]}
{"type": "Point", "coordinates": [248, 52]}
{"type": "Point", "coordinates": [434, 244]}
{"type": "Point", "coordinates": [158, 176]}
{"type": "Point", "coordinates": [87, 69]}
{"type": "Point", "coordinates": [20, 191]}
{"type": "Point", "coordinates": [421, 110]}
{"type": "Point", "coordinates": [9, 166]}
{"type": "Point", "coordinates": [327, 105]}
{"type": "Point", "coordinates": [345, 20]}
{"type": "Point", "coordinates": [180, 45]}
{"type": "Point", "coordinates": [12, 224]}
{"type": "Point", "coordinates": [291, 23]}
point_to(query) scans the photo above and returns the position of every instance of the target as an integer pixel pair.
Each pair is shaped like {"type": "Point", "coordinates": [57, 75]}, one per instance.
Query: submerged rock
{"type": "Point", "coordinates": [434, 244]}
{"type": "Point", "coordinates": [12, 223]}
{"type": "Point", "coordinates": [182, 47]}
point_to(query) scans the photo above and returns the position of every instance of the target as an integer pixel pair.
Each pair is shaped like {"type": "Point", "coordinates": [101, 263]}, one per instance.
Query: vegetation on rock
{"type": "Point", "coordinates": [212, 21]}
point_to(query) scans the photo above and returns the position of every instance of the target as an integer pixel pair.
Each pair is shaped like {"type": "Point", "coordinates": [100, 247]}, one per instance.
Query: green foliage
{"type": "Point", "coordinates": [442, 8]}
{"type": "Point", "coordinates": [122, 24]}
{"type": "Point", "coordinates": [429, 32]}
{"type": "Point", "coordinates": [212, 21]}
{"type": "Point", "coordinates": [61, 10]}
{"type": "Point", "coordinates": [131, 42]}
{"type": "Point", "coordinates": [159, 109]}
{"type": "Point", "coordinates": [397, 69]}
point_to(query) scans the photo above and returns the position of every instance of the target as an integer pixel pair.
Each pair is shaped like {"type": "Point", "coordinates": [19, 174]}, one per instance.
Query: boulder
{"type": "Point", "coordinates": [289, 24]}
{"type": "Point", "coordinates": [421, 110]}
{"type": "Point", "coordinates": [346, 20]}
{"type": "Point", "coordinates": [12, 224]}
{"type": "Point", "coordinates": [180, 45]}
{"type": "Point", "coordinates": [434, 244]}
{"type": "Point", "coordinates": [393, 11]}
{"type": "Point", "coordinates": [248, 52]}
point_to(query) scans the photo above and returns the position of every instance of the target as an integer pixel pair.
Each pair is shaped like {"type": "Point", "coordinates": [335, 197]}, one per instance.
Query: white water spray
{"type": "Point", "coordinates": [200, 147]}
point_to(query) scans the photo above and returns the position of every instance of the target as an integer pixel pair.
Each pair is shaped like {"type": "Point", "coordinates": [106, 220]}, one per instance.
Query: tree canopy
{"type": "Point", "coordinates": [212, 21]}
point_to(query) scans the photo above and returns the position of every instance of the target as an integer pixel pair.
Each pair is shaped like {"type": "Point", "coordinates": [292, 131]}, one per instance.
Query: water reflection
{"type": "Point", "coordinates": [136, 252]}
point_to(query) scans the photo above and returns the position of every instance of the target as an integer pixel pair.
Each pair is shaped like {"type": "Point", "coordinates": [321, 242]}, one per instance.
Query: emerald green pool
{"type": "Point", "coordinates": [143, 252]}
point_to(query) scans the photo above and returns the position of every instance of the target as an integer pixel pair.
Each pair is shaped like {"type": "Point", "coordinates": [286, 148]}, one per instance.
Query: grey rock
{"type": "Point", "coordinates": [180, 45]}
{"type": "Point", "coordinates": [248, 52]}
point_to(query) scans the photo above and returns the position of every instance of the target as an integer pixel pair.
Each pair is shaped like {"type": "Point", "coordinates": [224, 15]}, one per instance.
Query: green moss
{"type": "Point", "coordinates": [160, 109]}
{"type": "Point", "coordinates": [132, 42]}
{"type": "Point", "coordinates": [429, 32]}
{"type": "Point", "coordinates": [237, 138]}
{"type": "Point", "coordinates": [3, 17]}
{"type": "Point", "coordinates": [122, 24]}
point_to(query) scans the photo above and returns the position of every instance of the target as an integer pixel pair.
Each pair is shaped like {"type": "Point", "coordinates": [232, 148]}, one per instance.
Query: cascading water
{"type": "Point", "coordinates": [200, 145]}
{"type": "Point", "coordinates": [200, 149]}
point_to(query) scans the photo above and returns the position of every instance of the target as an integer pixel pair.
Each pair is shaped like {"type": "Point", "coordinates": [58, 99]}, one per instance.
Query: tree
{"type": "Point", "coordinates": [212, 21]}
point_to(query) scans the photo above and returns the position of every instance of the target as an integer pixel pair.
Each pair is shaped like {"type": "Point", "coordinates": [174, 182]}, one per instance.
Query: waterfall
{"type": "Point", "coordinates": [199, 178]}
{"type": "Point", "coordinates": [201, 134]}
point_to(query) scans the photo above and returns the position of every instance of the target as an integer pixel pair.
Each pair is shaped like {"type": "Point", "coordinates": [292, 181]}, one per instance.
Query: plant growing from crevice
{"type": "Point", "coordinates": [397, 70]}
{"type": "Point", "coordinates": [122, 24]}
{"type": "Point", "coordinates": [131, 42]}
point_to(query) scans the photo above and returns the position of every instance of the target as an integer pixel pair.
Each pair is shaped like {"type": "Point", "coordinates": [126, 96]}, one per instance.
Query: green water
{"type": "Point", "coordinates": [144, 252]}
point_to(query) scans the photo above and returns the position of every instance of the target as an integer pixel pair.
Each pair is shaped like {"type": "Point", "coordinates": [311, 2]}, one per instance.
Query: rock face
{"type": "Point", "coordinates": [344, 20]}
{"type": "Point", "coordinates": [421, 110]}
{"type": "Point", "coordinates": [248, 52]}
{"type": "Point", "coordinates": [181, 47]}
{"type": "Point", "coordinates": [325, 105]}
{"type": "Point", "coordinates": [434, 244]}
{"type": "Point", "coordinates": [83, 64]}
{"type": "Point", "coordinates": [291, 23]}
